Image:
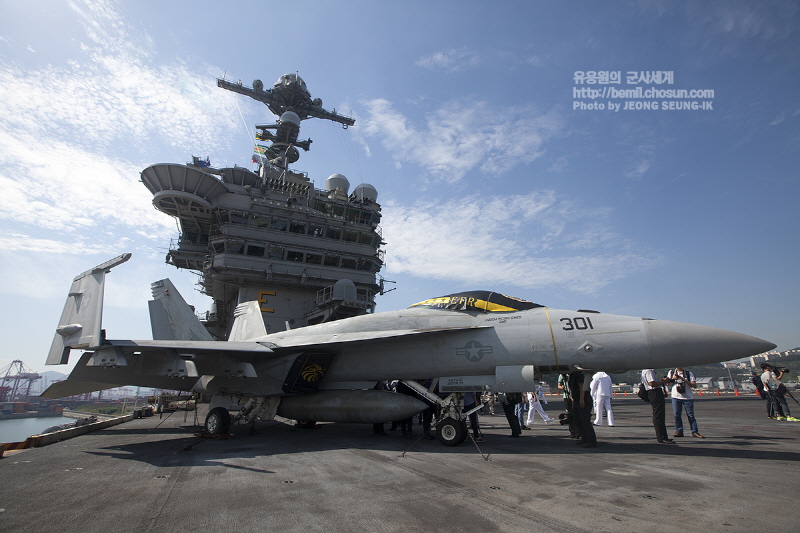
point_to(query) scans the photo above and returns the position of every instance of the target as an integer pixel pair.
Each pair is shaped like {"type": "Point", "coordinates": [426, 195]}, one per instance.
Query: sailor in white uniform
{"type": "Point", "coordinates": [601, 393]}
{"type": "Point", "coordinates": [536, 407]}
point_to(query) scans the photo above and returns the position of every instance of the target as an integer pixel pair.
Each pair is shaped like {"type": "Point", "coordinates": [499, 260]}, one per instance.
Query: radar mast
{"type": "Point", "coordinates": [291, 102]}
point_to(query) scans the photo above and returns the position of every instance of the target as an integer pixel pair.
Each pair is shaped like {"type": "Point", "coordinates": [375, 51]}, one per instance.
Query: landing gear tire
{"type": "Point", "coordinates": [306, 424]}
{"type": "Point", "coordinates": [451, 432]}
{"type": "Point", "coordinates": [218, 421]}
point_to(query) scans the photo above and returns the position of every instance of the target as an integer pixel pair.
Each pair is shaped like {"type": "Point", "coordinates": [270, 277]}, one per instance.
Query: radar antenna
{"type": "Point", "coordinates": [291, 102]}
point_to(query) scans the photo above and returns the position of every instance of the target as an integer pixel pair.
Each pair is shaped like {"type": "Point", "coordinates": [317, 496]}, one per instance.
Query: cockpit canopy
{"type": "Point", "coordinates": [486, 301]}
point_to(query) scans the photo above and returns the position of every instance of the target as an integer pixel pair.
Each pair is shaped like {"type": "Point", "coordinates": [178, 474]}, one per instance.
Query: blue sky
{"type": "Point", "coordinates": [488, 176]}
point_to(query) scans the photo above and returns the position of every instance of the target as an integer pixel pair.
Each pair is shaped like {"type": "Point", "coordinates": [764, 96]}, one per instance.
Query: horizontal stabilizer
{"type": "Point", "coordinates": [158, 372]}
{"type": "Point", "coordinates": [81, 321]}
{"type": "Point", "coordinates": [66, 388]}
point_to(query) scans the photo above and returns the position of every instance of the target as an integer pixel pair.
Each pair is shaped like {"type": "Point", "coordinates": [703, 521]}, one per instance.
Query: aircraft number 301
{"type": "Point", "coordinates": [579, 322]}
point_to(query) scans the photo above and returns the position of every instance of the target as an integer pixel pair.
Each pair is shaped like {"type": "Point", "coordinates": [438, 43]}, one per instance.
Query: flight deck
{"type": "Point", "coordinates": [155, 474]}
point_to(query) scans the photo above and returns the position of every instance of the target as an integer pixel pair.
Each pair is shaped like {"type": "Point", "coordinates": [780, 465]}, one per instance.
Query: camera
{"type": "Point", "coordinates": [564, 418]}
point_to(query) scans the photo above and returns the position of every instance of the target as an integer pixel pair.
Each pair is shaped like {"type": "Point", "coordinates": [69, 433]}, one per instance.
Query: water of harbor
{"type": "Point", "coordinates": [22, 428]}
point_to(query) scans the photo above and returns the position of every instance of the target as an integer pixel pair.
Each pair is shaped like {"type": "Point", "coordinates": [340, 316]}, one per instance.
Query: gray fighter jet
{"type": "Point", "coordinates": [473, 341]}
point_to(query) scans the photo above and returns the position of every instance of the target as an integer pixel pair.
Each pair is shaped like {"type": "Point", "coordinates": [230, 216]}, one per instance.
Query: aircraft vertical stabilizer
{"type": "Point", "coordinates": [171, 318]}
{"type": "Point", "coordinates": [247, 322]}
{"type": "Point", "coordinates": [81, 321]}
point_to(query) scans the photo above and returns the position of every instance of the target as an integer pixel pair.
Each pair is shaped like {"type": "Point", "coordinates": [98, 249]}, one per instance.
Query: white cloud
{"type": "Point", "coordinates": [66, 188]}
{"type": "Point", "coordinates": [559, 165]}
{"type": "Point", "coordinates": [19, 242]}
{"type": "Point", "coordinates": [746, 19]}
{"type": "Point", "coordinates": [461, 136]}
{"type": "Point", "coordinates": [783, 116]}
{"type": "Point", "coordinates": [528, 241]}
{"type": "Point", "coordinates": [536, 61]}
{"type": "Point", "coordinates": [451, 60]}
{"type": "Point", "coordinates": [638, 169]}
{"type": "Point", "coordinates": [29, 270]}
{"type": "Point", "coordinates": [68, 133]}
{"type": "Point", "coordinates": [110, 100]}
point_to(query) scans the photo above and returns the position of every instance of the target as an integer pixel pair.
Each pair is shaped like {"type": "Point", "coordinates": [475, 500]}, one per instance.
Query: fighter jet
{"type": "Point", "coordinates": [472, 341]}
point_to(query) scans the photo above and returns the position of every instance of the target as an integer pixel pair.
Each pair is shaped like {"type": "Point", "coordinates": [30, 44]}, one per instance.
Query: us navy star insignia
{"type": "Point", "coordinates": [474, 351]}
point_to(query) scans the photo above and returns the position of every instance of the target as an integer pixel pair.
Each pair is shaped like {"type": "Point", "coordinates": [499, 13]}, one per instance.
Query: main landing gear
{"type": "Point", "coordinates": [218, 421]}
{"type": "Point", "coordinates": [451, 432]}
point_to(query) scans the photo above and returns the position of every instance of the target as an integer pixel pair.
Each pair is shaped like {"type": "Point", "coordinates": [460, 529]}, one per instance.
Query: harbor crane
{"type": "Point", "coordinates": [14, 377]}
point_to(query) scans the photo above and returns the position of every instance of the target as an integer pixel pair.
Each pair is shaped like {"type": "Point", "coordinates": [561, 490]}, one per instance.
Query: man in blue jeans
{"type": "Point", "coordinates": [681, 394]}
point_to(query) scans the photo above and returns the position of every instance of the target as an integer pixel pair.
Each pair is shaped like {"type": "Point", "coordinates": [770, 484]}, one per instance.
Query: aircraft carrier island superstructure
{"type": "Point", "coordinates": [306, 255]}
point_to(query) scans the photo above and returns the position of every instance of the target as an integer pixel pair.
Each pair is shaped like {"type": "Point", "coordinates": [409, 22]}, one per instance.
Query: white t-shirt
{"type": "Point", "coordinates": [688, 377]}
{"type": "Point", "coordinates": [648, 375]}
{"type": "Point", "coordinates": [770, 378]}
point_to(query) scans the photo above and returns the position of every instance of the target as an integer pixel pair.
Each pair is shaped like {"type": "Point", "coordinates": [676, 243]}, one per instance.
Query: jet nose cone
{"type": "Point", "coordinates": [679, 344]}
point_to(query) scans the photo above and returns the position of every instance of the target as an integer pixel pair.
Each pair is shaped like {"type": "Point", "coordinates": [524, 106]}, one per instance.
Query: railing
{"type": "Point", "coordinates": [364, 299]}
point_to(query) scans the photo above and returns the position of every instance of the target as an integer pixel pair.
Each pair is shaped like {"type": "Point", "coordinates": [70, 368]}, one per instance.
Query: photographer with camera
{"type": "Point", "coordinates": [762, 393]}
{"type": "Point", "coordinates": [566, 418]}
{"type": "Point", "coordinates": [776, 391]}
{"type": "Point", "coordinates": [655, 394]}
{"type": "Point", "coordinates": [681, 394]}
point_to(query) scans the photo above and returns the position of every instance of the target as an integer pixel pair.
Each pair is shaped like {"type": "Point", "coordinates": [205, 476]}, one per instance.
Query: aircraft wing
{"type": "Point", "coordinates": [247, 350]}
{"type": "Point", "coordinates": [331, 340]}
{"type": "Point", "coordinates": [265, 362]}
{"type": "Point", "coordinates": [192, 347]}
{"type": "Point", "coordinates": [177, 365]}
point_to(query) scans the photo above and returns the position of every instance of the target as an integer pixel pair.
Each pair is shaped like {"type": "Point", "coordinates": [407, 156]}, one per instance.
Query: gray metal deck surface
{"type": "Point", "coordinates": [341, 478]}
